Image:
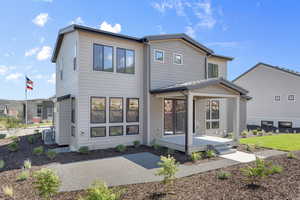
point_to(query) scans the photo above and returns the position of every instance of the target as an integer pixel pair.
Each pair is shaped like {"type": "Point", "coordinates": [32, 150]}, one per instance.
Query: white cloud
{"type": "Point", "coordinates": [5, 69]}
{"type": "Point", "coordinates": [31, 52]}
{"type": "Point", "coordinates": [178, 5]}
{"type": "Point", "coordinates": [223, 44]}
{"type": "Point", "coordinates": [37, 76]}
{"type": "Point", "coordinates": [44, 53]}
{"type": "Point", "coordinates": [204, 13]}
{"type": "Point", "coordinates": [190, 31]}
{"type": "Point", "coordinates": [52, 79]}
{"type": "Point", "coordinates": [108, 27]}
{"type": "Point", "coordinates": [14, 76]}
{"type": "Point", "coordinates": [41, 19]}
{"type": "Point", "coordinates": [77, 20]}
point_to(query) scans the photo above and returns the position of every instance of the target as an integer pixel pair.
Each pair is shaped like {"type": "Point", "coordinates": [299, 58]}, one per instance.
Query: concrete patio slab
{"type": "Point", "coordinates": [269, 153]}
{"type": "Point", "coordinates": [239, 156]}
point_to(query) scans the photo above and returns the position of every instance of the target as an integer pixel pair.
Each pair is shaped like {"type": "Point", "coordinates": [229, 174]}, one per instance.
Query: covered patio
{"type": "Point", "coordinates": [192, 139]}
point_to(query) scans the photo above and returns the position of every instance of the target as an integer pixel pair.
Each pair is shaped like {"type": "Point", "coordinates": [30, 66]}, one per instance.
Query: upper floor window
{"type": "Point", "coordinates": [159, 55]}
{"type": "Point", "coordinates": [277, 98]}
{"type": "Point", "coordinates": [125, 61]}
{"type": "Point", "coordinates": [103, 58]}
{"type": "Point", "coordinates": [177, 59]}
{"type": "Point", "coordinates": [98, 107]}
{"type": "Point", "coordinates": [291, 97]}
{"type": "Point", "coordinates": [212, 70]}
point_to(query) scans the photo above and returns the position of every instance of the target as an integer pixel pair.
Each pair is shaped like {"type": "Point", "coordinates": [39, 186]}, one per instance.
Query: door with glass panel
{"type": "Point", "coordinates": [174, 116]}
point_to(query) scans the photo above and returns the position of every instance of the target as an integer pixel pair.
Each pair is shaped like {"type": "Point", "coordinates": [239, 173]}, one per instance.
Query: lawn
{"type": "Point", "coordinates": [285, 142]}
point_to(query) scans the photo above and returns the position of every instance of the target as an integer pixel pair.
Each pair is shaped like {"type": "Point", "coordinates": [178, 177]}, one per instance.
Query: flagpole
{"type": "Point", "coordinates": [26, 103]}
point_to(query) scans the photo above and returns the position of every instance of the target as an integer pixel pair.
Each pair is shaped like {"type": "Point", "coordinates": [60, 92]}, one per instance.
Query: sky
{"type": "Point", "coordinates": [251, 31]}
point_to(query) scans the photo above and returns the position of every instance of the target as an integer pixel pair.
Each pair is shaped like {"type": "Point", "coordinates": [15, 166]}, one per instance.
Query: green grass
{"type": "Point", "coordinates": [284, 142]}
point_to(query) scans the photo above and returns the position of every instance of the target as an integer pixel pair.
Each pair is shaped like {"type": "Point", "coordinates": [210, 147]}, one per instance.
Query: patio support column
{"type": "Point", "coordinates": [237, 121]}
{"type": "Point", "coordinates": [189, 124]}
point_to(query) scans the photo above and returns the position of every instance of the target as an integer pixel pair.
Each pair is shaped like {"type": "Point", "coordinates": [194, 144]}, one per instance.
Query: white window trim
{"type": "Point", "coordinates": [154, 57]}
{"type": "Point", "coordinates": [291, 100]}
{"type": "Point", "coordinates": [275, 98]}
{"type": "Point", "coordinates": [207, 69]}
{"type": "Point", "coordinates": [179, 54]}
{"type": "Point", "coordinates": [212, 120]}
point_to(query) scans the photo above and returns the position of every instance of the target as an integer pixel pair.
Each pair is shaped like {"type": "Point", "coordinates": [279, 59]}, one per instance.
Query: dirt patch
{"type": "Point", "coordinates": [250, 149]}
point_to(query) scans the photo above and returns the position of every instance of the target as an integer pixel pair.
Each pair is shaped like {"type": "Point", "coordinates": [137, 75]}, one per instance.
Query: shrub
{"type": "Point", "coordinates": [210, 153]}
{"type": "Point", "coordinates": [24, 175]}
{"type": "Point", "coordinates": [290, 155]}
{"type": "Point", "coordinates": [223, 175]}
{"type": "Point", "coordinates": [14, 138]}
{"type": "Point", "coordinates": [170, 151]}
{"type": "Point", "coordinates": [121, 148]}
{"type": "Point", "coordinates": [156, 146]}
{"type": "Point", "coordinates": [229, 135]}
{"type": "Point", "coordinates": [27, 164]}
{"type": "Point", "coordinates": [275, 169]}
{"type": "Point", "coordinates": [100, 191]}
{"type": "Point", "coordinates": [260, 133]}
{"type": "Point", "coordinates": [46, 182]}
{"type": "Point", "coordinates": [13, 147]}
{"type": "Point", "coordinates": [84, 150]}
{"type": "Point", "coordinates": [244, 134]}
{"type": "Point", "coordinates": [168, 169]}
{"type": "Point", "coordinates": [2, 164]}
{"type": "Point", "coordinates": [195, 156]}
{"type": "Point", "coordinates": [51, 154]}
{"type": "Point", "coordinates": [255, 132]}
{"type": "Point", "coordinates": [38, 150]}
{"type": "Point", "coordinates": [31, 139]}
{"type": "Point", "coordinates": [8, 191]}
{"type": "Point", "coordinates": [248, 147]}
{"type": "Point", "coordinates": [136, 143]}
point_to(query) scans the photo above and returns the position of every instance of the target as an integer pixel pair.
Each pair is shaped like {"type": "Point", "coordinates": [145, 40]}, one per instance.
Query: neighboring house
{"type": "Point", "coordinates": [276, 96]}
{"type": "Point", "coordinates": [114, 89]}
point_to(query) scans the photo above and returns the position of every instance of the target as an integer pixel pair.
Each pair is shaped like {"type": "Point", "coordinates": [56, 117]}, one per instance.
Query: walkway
{"type": "Point", "coordinates": [130, 169]}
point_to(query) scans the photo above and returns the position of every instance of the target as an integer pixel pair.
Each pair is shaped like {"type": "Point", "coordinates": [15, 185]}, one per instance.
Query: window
{"type": "Point", "coordinates": [132, 114]}
{"type": "Point", "coordinates": [125, 61]}
{"type": "Point", "coordinates": [132, 129]}
{"type": "Point", "coordinates": [174, 116]}
{"type": "Point", "coordinates": [39, 110]}
{"type": "Point", "coordinates": [73, 110]}
{"type": "Point", "coordinates": [212, 114]}
{"type": "Point", "coordinates": [267, 124]}
{"type": "Point", "coordinates": [49, 112]}
{"type": "Point", "coordinates": [285, 124]}
{"type": "Point", "coordinates": [115, 130]}
{"type": "Point", "coordinates": [177, 59]}
{"type": "Point", "coordinates": [277, 98]}
{"type": "Point", "coordinates": [212, 71]}
{"type": "Point", "coordinates": [98, 106]}
{"type": "Point", "coordinates": [103, 58]}
{"type": "Point", "coordinates": [73, 131]}
{"type": "Point", "coordinates": [291, 97]}
{"type": "Point", "coordinates": [159, 56]}
{"type": "Point", "coordinates": [98, 131]}
{"type": "Point", "coordinates": [61, 74]}
{"type": "Point", "coordinates": [115, 110]}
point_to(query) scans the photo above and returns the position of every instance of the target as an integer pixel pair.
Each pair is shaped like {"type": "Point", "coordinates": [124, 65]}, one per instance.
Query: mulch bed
{"type": "Point", "coordinates": [243, 147]}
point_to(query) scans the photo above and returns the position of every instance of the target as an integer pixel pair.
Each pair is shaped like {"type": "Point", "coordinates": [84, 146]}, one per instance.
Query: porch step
{"type": "Point", "coordinates": [224, 149]}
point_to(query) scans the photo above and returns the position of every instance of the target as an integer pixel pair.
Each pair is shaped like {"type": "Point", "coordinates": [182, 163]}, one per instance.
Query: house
{"type": "Point", "coordinates": [274, 91]}
{"type": "Point", "coordinates": [115, 89]}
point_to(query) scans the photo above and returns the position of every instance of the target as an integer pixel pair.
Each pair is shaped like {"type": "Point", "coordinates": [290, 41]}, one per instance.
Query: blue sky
{"type": "Point", "coordinates": [249, 30]}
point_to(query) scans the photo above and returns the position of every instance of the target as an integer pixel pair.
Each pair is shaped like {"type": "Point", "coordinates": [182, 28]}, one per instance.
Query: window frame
{"type": "Point", "coordinates": [138, 127]}
{"type": "Point", "coordinates": [115, 110]}
{"type": "Point", "coordinates": [125, 63]}
{"type": "Point", "coordinates": [73, 110]}
{"type": "Point", "coordinates": [102, 68]}
{"type": "Point", "coordinates": [210, 120]}
{"type": "Point", "coordinates": [73, 130]}
{"type": "Point", "coordinates": [159, 61]}
{"type": "Point", "coordinates": [285, 122]}
{"type": "Point", "coordinates": [177, 54]}
{"type": "Point", "coordinates": [39, 107]}
{"type": "Point", "coordinates": [119, 126]}
{"type": "Point", "coordinates": [268, 122]}
{"type": "Point", "coordinates": [91, 121]}
{"type": "Point", "coordinates": [294, 97]}
{"type": "Point", "coordinates": [213, 64]}
{"type": "Point", "coordinates": [277, 99]}
{"type": "Point", "coordinates": [97, 127]}
{"type": "Point", "coordinates": [127, 109]}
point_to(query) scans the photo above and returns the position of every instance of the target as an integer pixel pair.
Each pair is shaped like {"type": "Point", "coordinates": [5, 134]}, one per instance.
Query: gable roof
{"type": "Point", "coordinates": [200, 84]}
{"type": "Point", "coordinates": [270, 66]}
{"type": "Point", "coordinates": [182, 36]}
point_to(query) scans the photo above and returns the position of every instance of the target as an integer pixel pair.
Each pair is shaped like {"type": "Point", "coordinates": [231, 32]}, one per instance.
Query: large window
{"type": "Point", "coordinates": [174, 116]}
{"type": "Point", "coordinates": [115, 130]}
{"type": "Point", "coordinates": [212, 70]}
{"type": "Point", "coordinates": [39, 110]}
{"type": "Point", "coordinates": [132, 114]}
{"type": "Point", "coordinates": [212, 114]}
{"type": "Point", "coordinates": [98, 106]}
{"type": "Point", "coordinates": [125, 61]}
{"type": "Point", "coordinates": [98, 131]}
{"type": "Point", "coordinates": [73, 110]}
{"type": "Point", "coordinates": [132, 129]}
{"type": "Point", "coordinates": [284, 124]}
{"type": "Point", "coordinates": [103, 58]}
{"type": "Point", "coordinates": [115, 110]}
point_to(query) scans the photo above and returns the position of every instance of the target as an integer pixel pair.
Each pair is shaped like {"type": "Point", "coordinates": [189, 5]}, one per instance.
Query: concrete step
{"type": "Point", "coordinates": [226, 151]}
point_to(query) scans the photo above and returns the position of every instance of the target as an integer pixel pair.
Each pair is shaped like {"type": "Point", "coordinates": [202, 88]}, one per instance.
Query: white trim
{"type": "Point", "coordinates": [214, 95]}
{"type": "Point", "coordinates": [154, 57]}
{"type": "Point", "coordinates": [179, 54]}
{"type": "Point", "coordinates": [212, 120]}
{"type": "Point", "coordinates": [275, 98]}
{"type": "Point", "coordinates": [291, 100]}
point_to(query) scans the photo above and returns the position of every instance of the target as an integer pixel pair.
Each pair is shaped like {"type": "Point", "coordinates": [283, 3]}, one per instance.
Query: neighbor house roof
{"type": "Point", "coordinates": [199, 84]}
{"type": "Point", "coordinates": [270, 66]}
{"type": "Point", "coordinates": [182, 36]}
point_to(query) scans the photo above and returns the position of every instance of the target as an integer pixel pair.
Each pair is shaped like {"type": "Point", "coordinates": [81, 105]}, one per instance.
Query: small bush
{"type": "Point", "coordinates": [32, 139]}
{"type": "Point", "coordinates": [24, 175]}
{"type": "Point", "coordinates": [248, 148]}
{"type": "Point", "coordinates": [260, 133]}
{"type": "Point", "coordinates": [100, 191]}
{"type": "Point", "coordinates": [14, 138]}
{"type": "Point", "coordinates": [46, 182]}
{"type": "Point", "coordinates": [121, 148]}
{"type": "Point", "coordinates": [229, 135]}
{"type": "Point", "coordinates": [210, 154]}
{"type": "Point", "coordinates": [51, 154]}
{"type": "Point", "coordinates": [244, 134]}
{"type": "Point", "coordinates": [156, 146]}
{"type": "Point", "coordinates": [13, 147]}
{"type": "Point", "coordinates": [136, 143]}
{"type": "Point", "coordinates": [84, 150]}
{"type": "Point", "coordinates": [275, 169]}
{"type": "Point", "coordinates": [2, 164]}
{"type": "Point", "coordinates": [195, 156]}
{"type": "Point", "coordinates": [8, 191]}
{"type": "Point", "coordinates": [170, 151]}
{"type": "Point", "coordinates": [38, 150]}
{"type": "Point", "coordinates": [255, 132]}
{"type": "Point", "coordinates": [290, 155]}
{"type": "Point", "coordinates": [27, 164]}
{"type": "Point", "coordinates": [223, 175]}
{"type": "Point", "coordinates": [168, 169]}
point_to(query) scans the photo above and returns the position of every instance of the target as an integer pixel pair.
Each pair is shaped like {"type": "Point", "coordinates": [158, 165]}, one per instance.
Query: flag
{"type": "Point", "coordinates": [29, 84]}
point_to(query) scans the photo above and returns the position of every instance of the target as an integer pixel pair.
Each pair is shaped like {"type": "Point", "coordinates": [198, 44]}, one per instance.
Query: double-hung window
{"type": "Point", "coordinates": [39, 110]}
{"type": "Point", "coordinates": [212, 114]}
{"type": "Point", "coordinates": [98, 107]}
{"type": "Point", "coordinates": [291, 97]}
{"type": "Point", "coordinates": [116, 110]}
{"type": "Point", "coordinates": [132, 111]}
{"type": "Point", "coordinates": [177, 59]}
{"type": "Point", "coordinates": [159, 56]}
{"type": "Point", "coordinates": [125, 61]}
{"type": "Point", "coordinates": [103, 58]}
{"type": "Point", "coordinates": [212, 70]}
